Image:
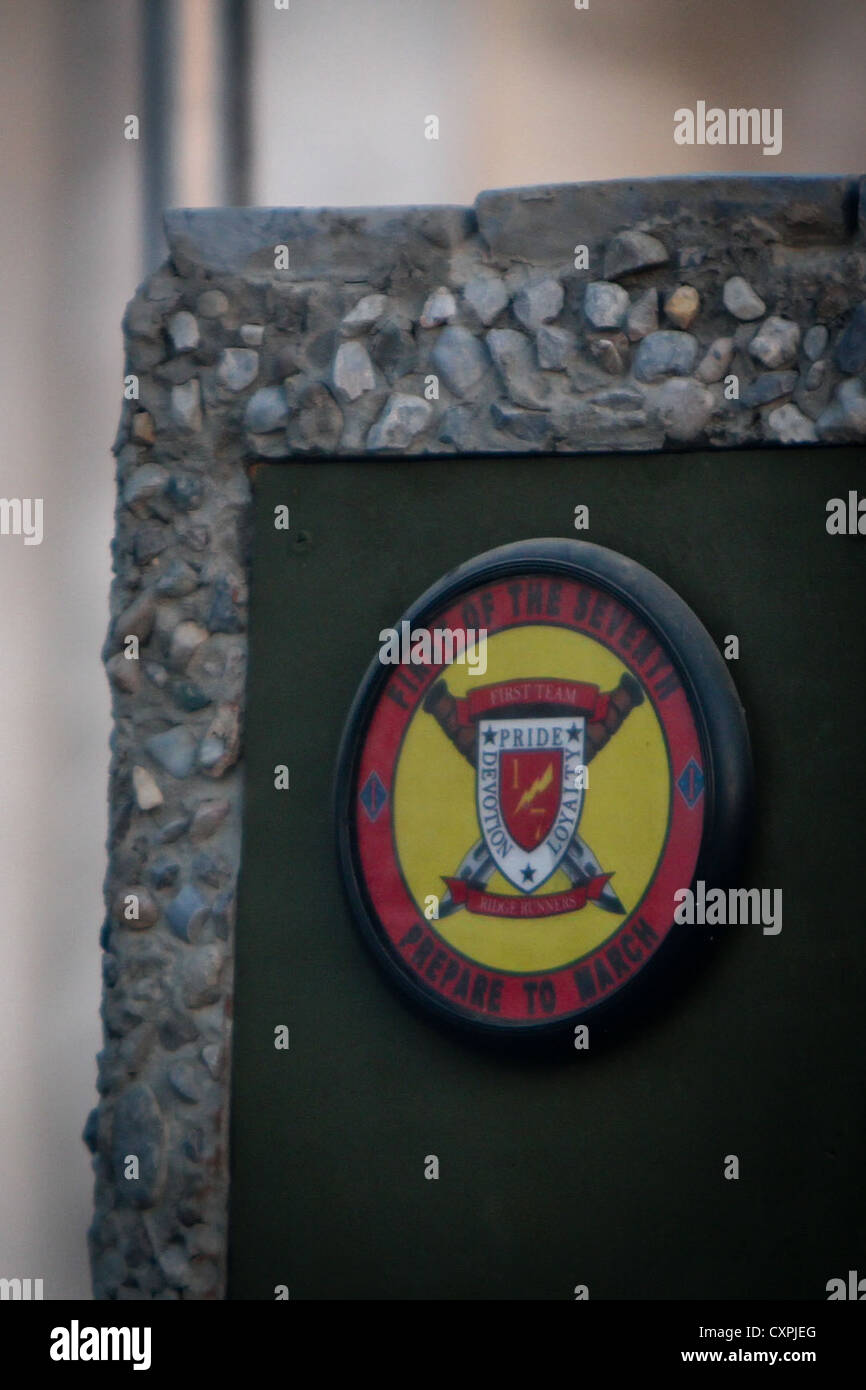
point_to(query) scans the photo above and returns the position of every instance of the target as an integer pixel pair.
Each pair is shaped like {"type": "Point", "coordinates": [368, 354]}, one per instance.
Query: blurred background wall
{"type": "Point", "coordinates": [328, 98]}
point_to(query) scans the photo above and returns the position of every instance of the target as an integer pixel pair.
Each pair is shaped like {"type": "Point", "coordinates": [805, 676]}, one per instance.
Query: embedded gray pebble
{"type": "Point", "coordinates": [815, 341]}
{"type": "Point", "coordinates": [403, 418]}
{"type": "Point", "coordinates": [224, 614]}
{"type": "Point", "coordinates": [187, 913]}
{"type": "Point", "coordinates": [512, 353]}
{"type": "Point", "coordinates": [238, 368]}
{"type": "Point", "coordinates": [769, 386]}
{"type": "Point", "coordinates": [440, 308]}
{"type": "Point", "coordinates": [487, 296]}
{"type": "Point", "coordinates": [364, 314]}
{"type": "Point", "coordinates": [353, 371]}
{"type": "Point", "coordinates": [666, 353]}
{"type": "Point", "coordinates": [137, 620]}
{"type": "Point", "coordinates": [633, 250]}
{"type": "Point", "coordinates": [393, 350]}
{"type": "Point", "coordinates": [460, 359]}
{"type": "Point", "coordinates": [211, 1055]}
{"type": "Point", "coordinates": [643, 315]}
{"type": "Point", "coordinates": [267, 409]}
{"type": "Point", "coordinates": [456, 425]}
{"type": "Point", "coordinates": [790, 426]}
{"type": "Point", "coordinates": [212, 304]}
{"type": "Point", "coordinates": [626, 396]}
{"type": "Point", "coordinates": [815, 375]}
{"type": "Point", "coordinates": [185, 639]}
{"type": "Point", "coordinates": [174, 829]}
{"type": "Point", "coordinates": [146, 482]}
{"type": "Point", "coordinates": [174, 750]}
{"type": "Point", "coordinates": [200, 977]}
{"type": "Point", "coordinates": [186, 404]}
{"type": "Point", "coordinates": [252, 334]}
{"type": "Point", "coordinates": [605, 304]}
{"type": "Point", "coordinates": [533, 426]}
{"type": "Point", "coordinates": [716, 360]}
{"type": "Point", "coordinates": [177, 580]}
{"type": "Point", "coordinates": [776, 341]}
{"type": "Point", "coordinates": [684, 408]}
{"type": "Point", "coordinates": [211, 751]}
{"type": "Point", "coordinates": [554, 346]}
{"type": "Point", "coordinates": [183, 331]}
{"type": "Point", "coordinates": [844, 420]}
{"type": "Point", "coordinates": [605, 351]}
{"type": "Point", "coordinates": [185, 1081]}
{"type": "Point", "coordinates": [740, 299]}
{"type": "Point", "coordinates": [538, 303]}
{"type": "Point", "coordinates": [208, 818]}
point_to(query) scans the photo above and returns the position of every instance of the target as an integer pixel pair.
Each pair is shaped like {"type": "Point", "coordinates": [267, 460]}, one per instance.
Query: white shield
{"type": "Point", "coordinates": [529, 794]}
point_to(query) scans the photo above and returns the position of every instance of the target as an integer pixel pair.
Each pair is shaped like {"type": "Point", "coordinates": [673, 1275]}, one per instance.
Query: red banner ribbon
{"type": "Point", "coordinates": [547, 905]}
{"type": "Point", "coordinates": [575, 697]}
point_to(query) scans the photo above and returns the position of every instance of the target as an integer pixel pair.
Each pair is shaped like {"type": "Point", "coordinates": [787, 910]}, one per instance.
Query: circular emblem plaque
{"type": "Point", "coordinates": [547, 747]}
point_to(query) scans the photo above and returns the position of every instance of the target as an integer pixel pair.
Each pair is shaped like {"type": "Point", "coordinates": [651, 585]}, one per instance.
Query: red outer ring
{"type": "Point", "coordinates": [475, 991]}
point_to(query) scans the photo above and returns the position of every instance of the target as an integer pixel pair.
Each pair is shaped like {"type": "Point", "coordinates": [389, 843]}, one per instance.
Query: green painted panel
{"type": "Point", "coordinates": [604, 1170]}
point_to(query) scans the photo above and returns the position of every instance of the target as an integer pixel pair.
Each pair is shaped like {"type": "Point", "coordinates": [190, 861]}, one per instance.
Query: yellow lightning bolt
{"type": "Point", "coordinates": [538, 786]}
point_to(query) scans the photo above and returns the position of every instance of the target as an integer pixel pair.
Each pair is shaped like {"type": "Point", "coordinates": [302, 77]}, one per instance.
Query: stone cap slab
{"type": "Point", "coordinates": [540, 224]}
{"type": "Point", "coordinates": [352, 244]}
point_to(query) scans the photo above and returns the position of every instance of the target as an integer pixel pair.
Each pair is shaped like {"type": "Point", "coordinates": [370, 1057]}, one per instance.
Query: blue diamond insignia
{"type": "Point", "coordinates": [691, 783]}
{"type": "Point", "coordinates": [373, 796]}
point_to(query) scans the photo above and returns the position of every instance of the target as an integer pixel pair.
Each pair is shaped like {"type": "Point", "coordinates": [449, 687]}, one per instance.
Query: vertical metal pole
{"type": "Point", "coordinates": [170, 126]}
{"type": "Point", "coordinates": [155, 126]}
{"type": "Point", "coordinates": [237, 86]}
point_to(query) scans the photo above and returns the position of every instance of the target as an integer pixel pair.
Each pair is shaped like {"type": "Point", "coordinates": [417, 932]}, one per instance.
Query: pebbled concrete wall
{"type": "Point", "coordinates": [648, 314]}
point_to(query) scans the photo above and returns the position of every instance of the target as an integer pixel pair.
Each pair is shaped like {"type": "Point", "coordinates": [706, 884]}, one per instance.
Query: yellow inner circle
{"type": "Point", "coordinates": [623, 821]}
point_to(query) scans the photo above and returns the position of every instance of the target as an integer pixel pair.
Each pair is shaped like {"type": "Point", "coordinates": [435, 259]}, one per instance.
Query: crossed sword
{"type": "Point", "coordinates": [478, 865]}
